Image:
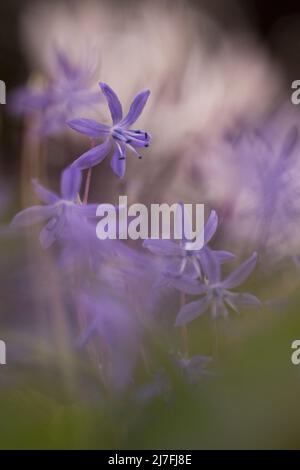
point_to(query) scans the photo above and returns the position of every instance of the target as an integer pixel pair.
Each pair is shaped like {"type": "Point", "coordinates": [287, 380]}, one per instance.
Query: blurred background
{"type": "Point", "coordinates": [220, 115]}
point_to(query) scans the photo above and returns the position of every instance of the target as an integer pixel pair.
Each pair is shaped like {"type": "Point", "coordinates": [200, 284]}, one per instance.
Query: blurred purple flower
{"type": "Point", "coordinates": [196, 263]}
{"type": "Point", "coordinates": [110, 319]}
{"type": "Point", "coordinates": [267, 206]}
{"type": "Point", "coordinates": [159, 386]}
{"type": "Point", "coordinates": [62, 214]}
{"type": "Point", "coordinates": [119, 135]}
{"type": "Point", "coordinates": [66, 93]}
{"type": "Point", "coordinates": [216, 296]}
{"type": "Point", "coordinates": [194, 368]}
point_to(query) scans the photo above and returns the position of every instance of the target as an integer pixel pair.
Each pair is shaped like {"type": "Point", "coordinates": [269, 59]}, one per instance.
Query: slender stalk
{"type": "Point", "coordinates": [87, 186]}
{"type": "Point", "coordinates": [184, 331]}
{"type": "Point", "coordinates": [88, 180]}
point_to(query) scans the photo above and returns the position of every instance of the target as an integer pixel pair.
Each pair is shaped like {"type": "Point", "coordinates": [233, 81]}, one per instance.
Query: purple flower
{"type": "Point", "coordinates": [216, 296]}
{"type": "Point", "coordinates": [194, 368]}
{"type": "Point", "coordinates": [62, 214]}
{"type": "Point", "coordinates": [67, 92]}
{"type": "Point", "coordinates": [119, 136]}
{"type": "Point", "coordinates": [195, 263]}
{"type": "Point", "coordinates": [267, 208]}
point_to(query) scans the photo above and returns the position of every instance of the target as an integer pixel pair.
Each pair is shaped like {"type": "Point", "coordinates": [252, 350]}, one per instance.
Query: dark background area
{"type": "Point", "coordinates": [275, 25]}
{"type": "Point", "coordinates": [261, 16]}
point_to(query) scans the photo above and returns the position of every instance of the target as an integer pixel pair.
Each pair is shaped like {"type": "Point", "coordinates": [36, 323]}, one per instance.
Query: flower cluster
{"type": "Point", "coordinates": [111, 282]}
{"type": "Point", "coordinates": [199, 273]}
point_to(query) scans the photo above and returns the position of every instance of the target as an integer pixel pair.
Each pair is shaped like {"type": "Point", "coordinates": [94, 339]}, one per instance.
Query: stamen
{"type": "Point", "coordinates": [121, 152]}
{"type": "Point", "coordinates": [134, 151]}
{"type": "Point", "coordinates": [138, 137]}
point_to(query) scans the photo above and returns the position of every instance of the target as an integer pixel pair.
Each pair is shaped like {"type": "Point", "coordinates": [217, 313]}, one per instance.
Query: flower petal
{"type": "Point", "coordinates": [223, 256]}
{"type": "Point", "coordinates": [24, 100]}
{"type": "Point", "coordinates": [68, 70]}
{"type": "Point", "coordinates": [88, 210]}
{"type": "Point", "coordinates": [118, 160]}
{"type": "Point", "coordinates": [44, 194]}
{"type": "Point", "coordinates": [210, 264]}
{"type": "Point", "coordinates": [210, 226]}
{"type": "Point", "coordinates": [237, 301]}
{"type": "Point", "coordinates": [70, 183]}
{"type": "Point", "coordinates": [113, 102]}
{"type": "Point", "coordinates": [136, 108]}
{"type": "Point", "coordinates": [93, 156]}
{"type": "Point", "coordinates": [32, 215]}
{"type": "Point", "coordinates": [89, 127]}
{"type": "Point", "coordinates": [187, 284]}
{"type": "Point", "coordinates": [163, 247]}
{"type": "Point", "coordinates": [240, 274]}
{"type": "Point", "coordinates": [191, 311]}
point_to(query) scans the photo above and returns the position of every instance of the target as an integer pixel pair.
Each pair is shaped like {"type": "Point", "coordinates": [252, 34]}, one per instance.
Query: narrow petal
{"type": "Point", "coordinates": [113, 102]}
{"type": "Point", "coordinates": [70, 183]}
{"type": "Point", "coordinates": [210, 264]}
{"type": "Point", "coordinates": [237, 301]}
{"type": "Point", "coordinates": [32, 215]}
{"type": "Point", "coordinates": [44, 194]}
{"type": "Point", "coordinates": [163, 247]}
{"type": "Point", "coordinates": [23, 100]}
{"type": "Point", "coordinates": [89, 127]}
{"type": "Point", "coordinates": [191, 311]}
{"type": "Point", "coordinates": [240, 274]}
{"type": "Point", "coordinates": [187, 284]}
{"type": "Point", "coordinates": [93, 156]}
{"type": "Point", "coordinates": [118, 160]}
{"type": "Point", "coordinates": [210, 226]}
{"type": "Point", "coordinates": [136, 108]}
{"type": "Point", "coordinates": [224, 256]}
{"type": "Point", "coordinates": [67, 69]}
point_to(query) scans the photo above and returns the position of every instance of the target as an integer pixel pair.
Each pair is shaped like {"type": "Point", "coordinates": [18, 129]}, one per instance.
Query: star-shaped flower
{"type": "Point", "coordinates": [65, 93]}
{"type": "Point", "coordinates": [119, 136]}
{"type": "Point", "coordinates": [216, 296]}
{"type": "Point", "coordinates": [62, 213]}
{"type": "Point", "coordinates": [182, 260]}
